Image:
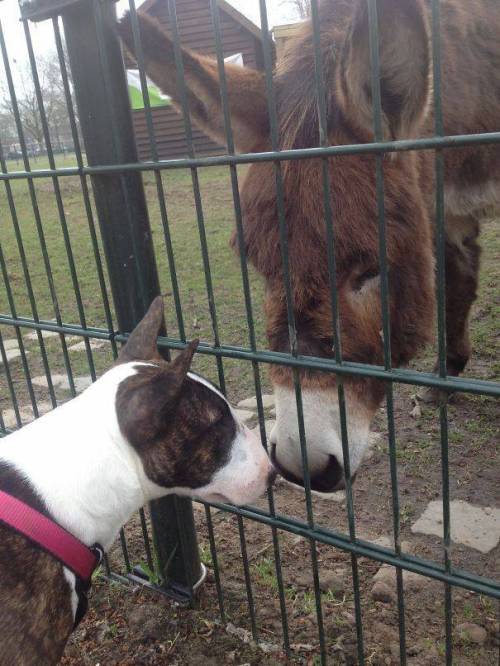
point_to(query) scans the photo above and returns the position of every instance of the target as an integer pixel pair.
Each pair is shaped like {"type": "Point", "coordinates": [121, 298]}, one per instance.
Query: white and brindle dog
{"type": "Point", "coordinates": [146, 428]}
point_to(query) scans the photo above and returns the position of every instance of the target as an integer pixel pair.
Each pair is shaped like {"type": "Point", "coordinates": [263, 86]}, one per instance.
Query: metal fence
{"type": "Point", "coordinates": [109, 167]}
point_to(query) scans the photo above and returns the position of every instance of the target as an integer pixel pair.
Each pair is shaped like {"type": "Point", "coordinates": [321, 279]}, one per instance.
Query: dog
{"type": "Point", "coordinates": [145, 429]}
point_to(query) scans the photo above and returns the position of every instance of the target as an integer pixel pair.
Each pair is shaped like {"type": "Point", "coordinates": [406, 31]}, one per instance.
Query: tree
{"type": "Point", "coordinates": [7, 130]}
{"type": "Point", "coordinates": [54, 103]}
{"type": "Point", "coordinates": [301, 8]}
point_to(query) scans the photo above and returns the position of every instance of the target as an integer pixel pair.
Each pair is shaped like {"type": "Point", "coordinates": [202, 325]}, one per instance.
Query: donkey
{"type": "Point", "coordinates": [470, 98]}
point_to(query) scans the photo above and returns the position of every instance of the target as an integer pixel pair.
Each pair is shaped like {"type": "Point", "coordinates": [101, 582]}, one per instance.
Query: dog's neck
{"type": "Point", "coordinates": [76, 458]}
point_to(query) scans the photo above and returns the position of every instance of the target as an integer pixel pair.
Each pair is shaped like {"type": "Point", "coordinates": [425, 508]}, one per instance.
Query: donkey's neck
{"type": "Point", "coordinates": [77, 460]}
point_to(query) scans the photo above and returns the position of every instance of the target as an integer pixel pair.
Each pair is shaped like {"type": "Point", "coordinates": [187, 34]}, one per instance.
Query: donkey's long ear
{"type": "Point", "coordinates": [246, 87]}
{"type": "Point", "coordinates": [145, 400]}
{"type": "Point", "coordinates": [142, 343]}
{"type": "Point", "coordinates": [404, 67]}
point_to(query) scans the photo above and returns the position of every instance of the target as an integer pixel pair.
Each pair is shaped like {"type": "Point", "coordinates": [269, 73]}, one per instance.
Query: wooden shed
{"type": "Point", "coordinates": [239, 36]}
{"type": "Point", "coordinates": [282, 33]}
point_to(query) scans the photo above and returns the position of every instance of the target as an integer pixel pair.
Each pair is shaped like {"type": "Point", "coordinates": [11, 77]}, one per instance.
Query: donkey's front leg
{"type": "Point", "coordinates": [462, 267]}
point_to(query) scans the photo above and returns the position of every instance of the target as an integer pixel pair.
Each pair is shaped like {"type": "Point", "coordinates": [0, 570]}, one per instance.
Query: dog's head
{"type": "Point", "coordinates": [183, 429]}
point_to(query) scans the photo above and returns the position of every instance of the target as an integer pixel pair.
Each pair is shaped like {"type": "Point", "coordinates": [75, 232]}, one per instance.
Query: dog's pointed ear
{"type": "Point", "coordinates": [145, 400]}
{"type": "Point", "coordinates": [142, 343]}
{"type": "Point", "coordinates": [182, 362]}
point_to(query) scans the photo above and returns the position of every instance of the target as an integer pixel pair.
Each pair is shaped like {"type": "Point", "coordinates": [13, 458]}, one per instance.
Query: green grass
{"type": "Point", "coordinates": [265, 570]}
{"type": "Point", "coordinates": [225, 265]}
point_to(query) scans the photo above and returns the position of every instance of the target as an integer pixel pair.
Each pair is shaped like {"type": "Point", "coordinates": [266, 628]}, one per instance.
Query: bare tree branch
{"type": "Point", "coordinates": [301, 8]}
{"type": "Point", "coordinates": [54, 103]}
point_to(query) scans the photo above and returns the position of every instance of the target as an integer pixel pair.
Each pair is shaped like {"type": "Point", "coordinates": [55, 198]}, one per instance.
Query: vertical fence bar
{"type": "Point", "coordinates": [8, 377]}
{"type": "Point", "coordinates": [102, 99]}
{"type": "Point", "coordinates": [248, 302]}
{"type": "Point", "coordinates": [20, 342]}
{"type": "Point", "coordinates": [206, 265]}
{"type": "Point", "coordinates": [215, 562]}
{"type": "Point", "coordinates": [440, 242]}
{"type": "Point", "coordinates": [83, 183]}
{"type": "Point", "coordinates": [385, 302]}
{"type": "Point", "coordinates": [158, 179]}
{"type": "Point", "coordinates": [181, 83]}
{"type": "Point", "coordinates": [320, 84]}
{"type": "Point", "coordinates": [292, 330]}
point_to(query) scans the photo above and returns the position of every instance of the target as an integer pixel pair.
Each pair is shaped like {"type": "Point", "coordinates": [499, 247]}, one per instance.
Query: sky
{"type": "Point", "coordinates": [42, 34]}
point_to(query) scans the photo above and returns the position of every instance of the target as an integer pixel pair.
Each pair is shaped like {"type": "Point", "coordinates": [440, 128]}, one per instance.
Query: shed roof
{"type": "Point", "coordinates": [226, 8]}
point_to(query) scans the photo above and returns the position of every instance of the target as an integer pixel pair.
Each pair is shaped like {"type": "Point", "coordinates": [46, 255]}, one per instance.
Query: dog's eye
{"type": "Point", "coordinates": [365, 277]}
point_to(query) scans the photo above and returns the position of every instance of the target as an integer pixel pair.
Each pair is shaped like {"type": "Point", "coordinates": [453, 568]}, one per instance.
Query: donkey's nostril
{"type": "Point", "coordinates": [331, 478]}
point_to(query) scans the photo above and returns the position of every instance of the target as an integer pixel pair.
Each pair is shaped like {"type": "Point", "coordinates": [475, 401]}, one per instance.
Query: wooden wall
{"type": "Point", "coordinates": [196, 32]}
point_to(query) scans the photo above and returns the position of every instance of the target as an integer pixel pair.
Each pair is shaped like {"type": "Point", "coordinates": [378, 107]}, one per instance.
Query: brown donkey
{"type": "Point", "coordinates": [471, 103]}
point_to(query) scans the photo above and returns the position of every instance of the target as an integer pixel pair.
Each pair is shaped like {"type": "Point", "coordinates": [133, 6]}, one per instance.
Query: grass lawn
{"type": "Point", "coordinates": [225, 265]}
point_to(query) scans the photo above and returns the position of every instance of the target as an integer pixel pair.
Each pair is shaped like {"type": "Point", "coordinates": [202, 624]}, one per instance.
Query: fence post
{"type": "Point", "coordinates": [101, 94]}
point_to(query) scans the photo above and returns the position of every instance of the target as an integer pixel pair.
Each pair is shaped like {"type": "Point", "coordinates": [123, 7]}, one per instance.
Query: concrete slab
{"type": "Point", "coordinates": [46, 335]}
{"type": "Point", "coordinates": [25, 412]}
{"type": "Point", "coordinates": [11, 343]}
{"type": "Point", "coordinates": [473, 526]}
{"type": "Point", "coordinates": [244, 415]}
{"type": "Point", "coordinates": [251, 403]}
{"type": "Point", "coordinates": [11, 355]}
{"type": "Point", "coordinates": [95, 345]}
{"type": "Point", "coordinates": [62, 382]}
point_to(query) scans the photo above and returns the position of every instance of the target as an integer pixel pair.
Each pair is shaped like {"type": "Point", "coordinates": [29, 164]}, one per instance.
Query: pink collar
{"type": "Point", "coordinates": [49, 536]}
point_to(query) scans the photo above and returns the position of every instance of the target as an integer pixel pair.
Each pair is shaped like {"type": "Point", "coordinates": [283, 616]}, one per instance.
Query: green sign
{"type": "Point", "coordinates": [156, 97]}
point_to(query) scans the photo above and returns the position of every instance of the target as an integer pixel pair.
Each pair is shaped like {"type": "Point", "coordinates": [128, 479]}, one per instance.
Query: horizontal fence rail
{"type": "Point", "coordinates": [381, 147]}
{"type": "Point", "coordinates": [402, 375]}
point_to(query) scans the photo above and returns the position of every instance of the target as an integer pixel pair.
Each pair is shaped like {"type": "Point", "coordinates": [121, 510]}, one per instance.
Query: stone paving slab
{"type": "Point", "coordinates": [251, 403]}
{"type": "Point", "coordinates": [244, 415]}
{"type": "Point", "coordinates": [11, 343]}
{"type": "Point", "coordinates": [473, 526]}
{"type": "Point", "coordinates": [47, 335]}
{"type": "Point", "coordinates": [11, 355]}
{"type": "Point", "coordinates": [25, 412]}
{"type": "Point", "coordinates": [94, 346]}
{"type": "Point", "coordinates": [62, 382]}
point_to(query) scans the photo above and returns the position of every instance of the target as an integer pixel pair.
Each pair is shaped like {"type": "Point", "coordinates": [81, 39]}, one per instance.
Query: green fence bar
{"type": "Point", "coordinates": [386, 324]}
{"type": "Point", "coordinates": [196, 186]}
{"type": "Point", "coordinates": [214, 10]}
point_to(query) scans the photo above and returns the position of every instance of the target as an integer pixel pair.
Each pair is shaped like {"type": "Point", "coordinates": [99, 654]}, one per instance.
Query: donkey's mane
{"type": "Point", "coordinates": [295, 79]}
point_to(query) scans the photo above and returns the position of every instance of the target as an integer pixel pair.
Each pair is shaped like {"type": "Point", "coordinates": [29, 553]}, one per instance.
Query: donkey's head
{"type": "Point", "coordinates": [404, 80]}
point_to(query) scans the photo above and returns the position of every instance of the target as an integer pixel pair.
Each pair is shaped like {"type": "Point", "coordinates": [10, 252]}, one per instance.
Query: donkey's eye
{"type": "Point", "coordinates": [365, 277]}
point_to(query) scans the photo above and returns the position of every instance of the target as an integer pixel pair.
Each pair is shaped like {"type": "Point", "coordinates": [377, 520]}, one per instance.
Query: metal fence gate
{"type": "Point", "coordinates": [107, 165]}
